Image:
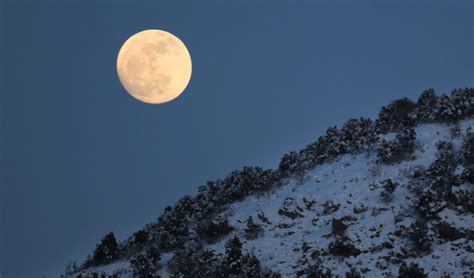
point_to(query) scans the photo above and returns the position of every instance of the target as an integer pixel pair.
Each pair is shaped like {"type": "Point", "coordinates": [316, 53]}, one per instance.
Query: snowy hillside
{"type": "Point", "coordinates": [353, 192]}
{"type": "Point", "coordinates": [391, 201]}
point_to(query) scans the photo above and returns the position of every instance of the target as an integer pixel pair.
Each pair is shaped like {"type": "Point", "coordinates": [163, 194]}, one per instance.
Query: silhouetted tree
{"type": "Point", "coordinates": [232, 263]}
{"type": "Point", "coordinates": [107, 251]}
{"type": "Point", "coordinates": [427, 106]}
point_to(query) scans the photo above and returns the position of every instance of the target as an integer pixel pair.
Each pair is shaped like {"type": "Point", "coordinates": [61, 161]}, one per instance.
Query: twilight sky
{"type": "Point", "coordinates": [79, 157]}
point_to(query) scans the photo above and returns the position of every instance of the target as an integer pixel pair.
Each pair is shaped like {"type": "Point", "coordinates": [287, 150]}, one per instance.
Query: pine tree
{"type": "Point", "coordinates": [107, 251]}
{"type": "Point", "coordinates": [289, 164]}
{"type": "Point", "coordinates": [427, 106]}
{"type": "Point", "coordinates": [468, 150]}
{"type": "Point", "coordinates": [251, 266]}
{"type": "Point", "coordinates": [233, 259]}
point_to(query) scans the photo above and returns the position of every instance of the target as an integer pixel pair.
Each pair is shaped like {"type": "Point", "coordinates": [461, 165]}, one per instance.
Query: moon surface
{"type": "Point", "coordinates": [154, 66]}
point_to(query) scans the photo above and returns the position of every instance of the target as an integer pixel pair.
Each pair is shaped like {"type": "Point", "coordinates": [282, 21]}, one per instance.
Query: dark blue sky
{"type": "Point", "coordinates": [80, 158]}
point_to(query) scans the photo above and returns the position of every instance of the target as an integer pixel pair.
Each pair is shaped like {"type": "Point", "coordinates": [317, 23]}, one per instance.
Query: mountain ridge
{"type": "Point", "coordinates": [188, 239]}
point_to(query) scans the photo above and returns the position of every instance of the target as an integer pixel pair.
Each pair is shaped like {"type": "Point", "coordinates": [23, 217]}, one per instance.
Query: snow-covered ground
{"type": "Point", "coordinates": [352, 183]}
{"type": "Point", "coordinates": [349, 182]}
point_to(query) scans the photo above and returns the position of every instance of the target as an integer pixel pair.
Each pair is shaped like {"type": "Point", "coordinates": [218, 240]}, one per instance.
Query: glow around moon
{"type": "Point", "coordinates": [154, 66]}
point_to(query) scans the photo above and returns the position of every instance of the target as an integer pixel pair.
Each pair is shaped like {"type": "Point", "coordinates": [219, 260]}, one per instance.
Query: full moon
{"type": "Point", "coordinates": [154, 66]}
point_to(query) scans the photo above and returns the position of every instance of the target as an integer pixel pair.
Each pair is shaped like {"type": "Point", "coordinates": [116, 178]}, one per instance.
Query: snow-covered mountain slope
{"type": "Point", "coordinates": [347, 189]}
{"type": "Point", "coordinates": [381, 211]}
{"type": "Point", "coordinates": [349, 185]}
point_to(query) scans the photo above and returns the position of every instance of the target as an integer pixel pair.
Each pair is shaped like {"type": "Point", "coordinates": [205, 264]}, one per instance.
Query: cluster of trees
{"type": "Point", "coordinates": [196, 261]}
{"type": "Point", "coordinates": [428, 108]}
{"type": "Point", "coordinates": [177, 224]}
{"type": "Point", "coordinates": [355, 135]}
{"type": "Point", "coordinates": [144, 261]}
{"type": "Point", "coordinates": [399, 116]}
{"type": "Point", "coordinates": [405, 271]}
{"type": "Point", "coordinates": [398, 149]}
{"type": "Point", "coordinates": [439, 184]}
{"type": "Point", "coordinates": [463, 198]}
